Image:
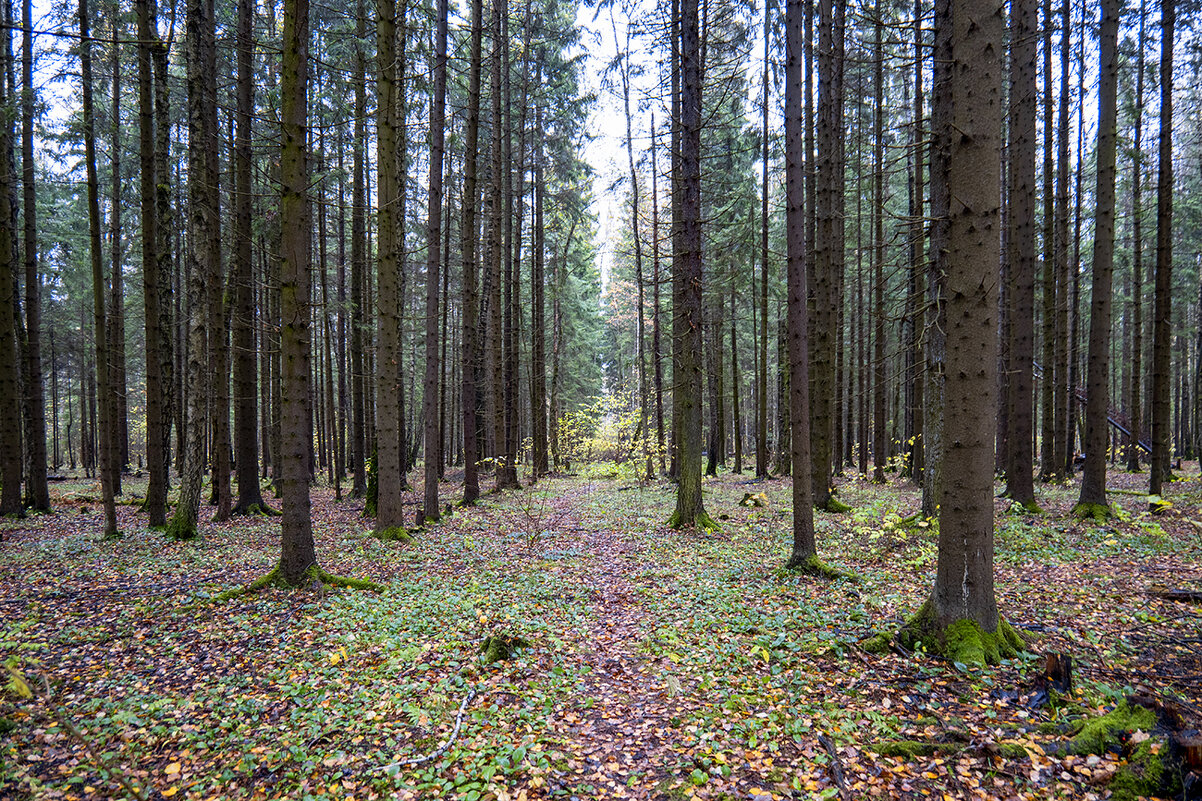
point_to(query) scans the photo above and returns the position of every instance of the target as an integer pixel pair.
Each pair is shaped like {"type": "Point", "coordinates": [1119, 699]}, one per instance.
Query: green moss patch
{"type": "Point", "coordinates": [813, 566]}
{"type": "Point", "coordinates": [1148, 770]}
{"type": "Point", "coordinates": [962, 641]}
{"type": "Point", "coordinates": [1097, 512]}
{"type": "Point", "coordinates": [393, 534]}
{"type": "Point", "coordinates": [500, 647]}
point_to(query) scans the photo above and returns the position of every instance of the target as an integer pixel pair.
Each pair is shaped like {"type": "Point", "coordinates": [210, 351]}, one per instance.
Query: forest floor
{"type": "Point", "coordinates": [658, 664]}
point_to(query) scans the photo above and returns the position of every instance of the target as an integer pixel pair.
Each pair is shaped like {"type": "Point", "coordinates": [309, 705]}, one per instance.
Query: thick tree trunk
{"type": "Point", "coordinates": [538, 359]}
{"type": "Point", "coordinates": [761, 386]}
{"type": "Point", "coordinates": [1135, 397]}
{"type": "Point", "coordinates": [297, 553]}
{"type": "Point", "coordinates": [879, 436]}
{"type": "Point", "coordinates": [116, 270]}
{"type": "Point", "coordinates": [1092, 500]}
{"type": "Point", "coordinates": [389, 507]}
{"type": "Point", "coordinates": [164, 225]}
{"type": "Point", "coordinates": [964, 576]}
{"type": "Point", "coordinates": [359, 251]}
{"type": "Point", "coordinates": [1063, 391]}
{"type": "Point", "coordinates": [202, 255]}
{"type": "Point", "coordinates": [690, 508]}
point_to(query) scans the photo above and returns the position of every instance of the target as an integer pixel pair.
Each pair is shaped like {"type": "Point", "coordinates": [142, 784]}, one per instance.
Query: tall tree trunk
{"type": "Point", "coordinates": [156, 447]}
{"type": "Point", "coordinates": [538, 359]}
{"type": "Point", "coordinates": [964, 576]}
{"type": "Point", "coordinates": [879, 436]}
{"type": "Point", "coordinates": [1021, 272]}
{"type": "Point", "coordinates": [36, 487]}
{"type": "Point", "coordinates": [100, 327]}
{"type": "Point", "coordinates": [116, 270]}
{"type": "Point", "coordinates": [359, 252]}
{"type": "Point", "coordinates": [690, 508]}
{"type": "Point", "coordinates": [471, 297]}
{"type": "Point", "coordinates": [202, 255]}
{"type": "Point", "coordinates": [761, 391]}
{"type": "Point", "coordinates": [804, 553]}
{"type": "Point", "coordinates": [1163, 303]}
{"type": "Point", "coordinates": [936, 314]}
{"type": "Point", "coordinates": [389, 440]}
{"type": "Point", "coordinates": [1134, 400]}
{"type": "Point", "coordinates": [10, 388]}
{"type": "Point", "coordinates": [1063, 391]}
{"type": "Point", "coordinates": [735, 388]}
{"type": "Point", "coordinates": [1092, 501]}
{"type": "Point", "coordinates": [656, 349]}
{"type": "Point", "coordinates": [246, 413]}
{"type": "Point", "coordinates": [164, 225]}
{"type": "Point", "coordinates": [433, 443]}
{"type": "Point", "coordinates": [497, 245]}
{"type": "Point", "coordinates": [298, 556]}
{"type": "Point", "coordinates": [1048, 466]}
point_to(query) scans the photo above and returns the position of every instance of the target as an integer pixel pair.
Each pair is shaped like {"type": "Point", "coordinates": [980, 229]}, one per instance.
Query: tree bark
{"type": "Point", "coordinates": [100, 328]}
{"type": "Point", "coordinates": [433, 443]}
{"type": "Point", "coordinates": [1162, 331]}
{"type": "Point", "coordinates": [471, 298]}
{"type": "Point", "coordinates": [1092, 500]}
{"type": "Point", "coordinates": [10, 390]}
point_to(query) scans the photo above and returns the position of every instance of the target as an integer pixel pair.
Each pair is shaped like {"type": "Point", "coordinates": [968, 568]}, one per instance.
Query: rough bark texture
{"type": "Point", "coordinates": [804, 550]}
{"type": "Point", "coordinates": [297, 553]}
{"type": "Point", "coordinates": [433, 442]}
{"type": "Point", "coordinates": [690, 509]}
{"type": "Point", "coordinates": [246, 411]}
{"type": "Point", "coordinates": [936, 322]}
{"type": "Point", "coordinates": [389, 509]}
{"type": "Point", "coordinates": [36, 488]}
{"type": "Point", "coordinates": [471, 297]}
{"type": "Point", "coordinates": [1092, 500]}
{"type": "Point", "coordinates": [156, 447]}
{"type": "Point", "coordinates": [10, 402]}
{"type": "Point", "coordinates": [99, 327]}
{"type": "Point", "coordinates": [1135, 396]}
{"type": "Point", "coordinates": [1163, 304]}
{"type": "Point", "coordinates": [964, 574]}
{"type": "Point", "coordinates": [1063, 391]}
{"type": "Point", "coordinates": [1021, 274]}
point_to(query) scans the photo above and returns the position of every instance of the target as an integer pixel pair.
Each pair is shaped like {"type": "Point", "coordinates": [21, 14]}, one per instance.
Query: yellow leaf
{"type": "Point", "coordinates": [172, 769]}
{"type": "Point", "coordinates": [170, 791]}
{"type": "Point", "coordinates": [767, 656]}
{"type": "Point", "coordinates": [1111, 541]}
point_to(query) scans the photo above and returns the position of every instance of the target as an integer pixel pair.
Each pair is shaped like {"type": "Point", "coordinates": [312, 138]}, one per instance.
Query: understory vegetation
{"type": "Point", "coordinates": [560, 641]}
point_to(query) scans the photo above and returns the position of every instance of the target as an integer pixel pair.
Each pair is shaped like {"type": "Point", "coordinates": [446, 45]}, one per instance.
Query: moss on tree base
{"type": "Point", "coordinates": [962, 641]}
{"type": "Point", "coordinates": [703, 522]}
{"type": "Point", "coordinates": [260, 509]}
{"type": "Point", "coordinates": [813, 566]}
{"type": "Point", "coordinates": [500, 647]}
{"type": "Point", "coordinates": [393, 534]}
{"type": "Point", "coordinates": [834, 506]}
{"type": "Point", "coordinates": [180, 530]}
{"type": "Point", "coordinates": [1097, 512]}
{"type": "Point", "coordinates": [314, 575]}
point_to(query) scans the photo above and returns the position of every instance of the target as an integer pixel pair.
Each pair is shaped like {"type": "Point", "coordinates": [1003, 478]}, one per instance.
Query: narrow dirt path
{"type": "Point", "coordinates": [621, 727]}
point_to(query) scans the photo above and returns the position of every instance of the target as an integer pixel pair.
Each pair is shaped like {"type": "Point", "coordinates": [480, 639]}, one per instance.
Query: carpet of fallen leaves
{"type": "Point", "coordinates": [660, 664]}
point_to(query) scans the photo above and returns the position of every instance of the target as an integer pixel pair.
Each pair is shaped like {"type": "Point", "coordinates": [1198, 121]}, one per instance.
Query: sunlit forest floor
{"type": "Point", "coordinates": [648, 663]}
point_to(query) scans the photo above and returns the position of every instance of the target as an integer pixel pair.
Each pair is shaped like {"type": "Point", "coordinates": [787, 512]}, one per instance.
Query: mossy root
{"type": "Point", "coordinates": [313, 574]}
{"type": "Point", "coordinates": [1097, 512]}
{"type": "Point", "coordinates": [813, 566]}
{"type": "Point", "coordinates": [961, 641]}
{"type": "Point", "coordinates": [393, 534]}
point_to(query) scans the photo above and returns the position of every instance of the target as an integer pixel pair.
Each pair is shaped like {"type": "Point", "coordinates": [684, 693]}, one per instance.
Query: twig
{"type": "Point", "coordinates": [442, 749]}
{"type": "Point", "coordinates": [836, 765]}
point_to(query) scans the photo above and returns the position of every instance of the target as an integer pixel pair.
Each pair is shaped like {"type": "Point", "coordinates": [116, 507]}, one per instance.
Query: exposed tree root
{"type": "Point", "coordinates": [961, 641]}
{"type": "Point", "coordinates": [261, 509]}
{"type": "Point", "coordinates": [393, 534]}
{"type": "Point", "coordinates": [314, 575]}
{"type": "Point", "coordinates": [1097, 512]}
{"type": "Point", "coordinates": [813, 566]}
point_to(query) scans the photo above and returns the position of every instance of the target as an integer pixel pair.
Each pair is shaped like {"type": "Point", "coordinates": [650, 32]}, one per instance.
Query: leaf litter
{"type": "Point", "coordinates": [646, 663]}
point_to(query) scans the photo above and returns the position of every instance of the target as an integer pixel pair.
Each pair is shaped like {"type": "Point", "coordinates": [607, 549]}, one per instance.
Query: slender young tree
{"type": "Point", "coordinates": [246, 411]}
{"type": "Point", "coordinates": [1135, 398]}
{"type": "Point", "coordinates": [1162, 330]}
{"type": "Point", "coordinates": [10, 391]}
{"type": "Point", "coordinates": [1021, 271]}
{"type": "Point", "coordinates": [156, 411]}
{"type": "Point", "coordinates": [37, 487]}
{"type": "Point", "coordinates": [433, 442]}
{"type": "Point", "coordinates": [1063, 392]}
{"type": "Point", "coordinates": [879, 434]}
{"type": "Point", "coordinates": [1092, 500]}
{"type": "Point", "coordinates": [99, 327]}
